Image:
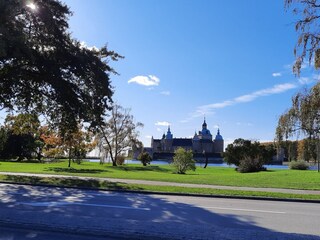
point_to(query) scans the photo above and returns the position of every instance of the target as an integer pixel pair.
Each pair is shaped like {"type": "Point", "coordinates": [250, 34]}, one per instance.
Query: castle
{"type": "Point", "coordinates": [202, 145]}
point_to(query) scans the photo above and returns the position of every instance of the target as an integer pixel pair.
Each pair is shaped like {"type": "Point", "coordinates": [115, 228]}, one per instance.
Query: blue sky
{"type": "Point", "coordinates": [228, 60]}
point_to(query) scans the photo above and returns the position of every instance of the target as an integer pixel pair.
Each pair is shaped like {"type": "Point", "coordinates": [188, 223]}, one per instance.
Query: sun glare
{"type": "Point", "coordinates": [32, 6]}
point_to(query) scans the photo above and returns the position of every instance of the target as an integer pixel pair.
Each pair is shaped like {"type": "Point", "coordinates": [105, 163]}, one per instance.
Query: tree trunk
{"type": "Point", "coordinates": [39, 156]}
{"type": "Point", "coordinates": [206, 161]}
{"type": "Point", "coordinates": [69, 158]}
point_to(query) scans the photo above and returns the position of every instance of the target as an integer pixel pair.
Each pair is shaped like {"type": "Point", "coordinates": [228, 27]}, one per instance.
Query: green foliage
{"type": "Point", "coordinates": [145, 158]}
{"type": "Point", "coordinates": [303, 118]}
{"type": "Point", "coordinates": [21, 137]}
{"type": "Point", "coordinates": [43, 69]}
{"type": "Point", "coordinates": [120, 160]}
{"type": "Point", "coordinates": [250, 165]}
{"type": "Point", "coordinates": [248, 156]}
{"type": "Point", "coordinates": [299, 165]}
{"type": "Point", "coordinates": [183, 161]}
{"type": "Point", "coordinates": [77, 143]}
{"type": "Point", "coordinates": [3, 139]}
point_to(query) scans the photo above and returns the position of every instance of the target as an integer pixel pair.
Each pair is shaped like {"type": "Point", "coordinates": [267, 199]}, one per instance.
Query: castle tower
{"type": "Point", "coordinates": [168, 140]}
{"type": "Point", "coordinates": [169, 134]}
{"type": "Point", "coordinates": [205, 133]}
{"type": "Point", "coordinates": [218, 143]}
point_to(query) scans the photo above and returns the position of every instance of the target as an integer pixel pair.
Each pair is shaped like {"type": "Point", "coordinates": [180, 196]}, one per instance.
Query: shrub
{"type": "Point", "coordinates": [183, 161]}
{"type": "Point", "coordinates": [145, 158]}
{"type": "Point", "coordinates": [250, 165]}
{"type": "Point", "coordinates": [120, 160]}
{"type": "Point", "coordinates": [248, 156]}
{"type": "Point", "coordinates": [299, 165]}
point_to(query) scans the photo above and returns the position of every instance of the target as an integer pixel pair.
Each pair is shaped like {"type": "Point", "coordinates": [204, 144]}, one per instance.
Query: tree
{"type": "Point", "coordinates": [183, 161]}
{"type": "Point", "coordinates": [23, 136]}
{"type": "Point", "coordinates": [77, 144]}
{"type": "Point", "coordinates": [53, 147]}
{"type": "Point", "coordinates": [248, 156]}
{"type": "Point", "coordinates": [307, 47]}
{"type": "Point", "coordinates": [145, 158]}
{"type": "Point", "coordinates": [43, 69]}
{"type": "Point", "coordinates": [304, 116]}
{"type": "Point", "coordinates": [3, 139]}
{"type": "Point", "coordinates": [119, 134]}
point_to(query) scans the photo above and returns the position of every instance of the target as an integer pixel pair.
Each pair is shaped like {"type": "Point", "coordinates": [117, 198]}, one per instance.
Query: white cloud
{"type": "Point", "coordinates": [206, 108]}
{"type": "Point", "coordinates": [276, 74]}
{"type": "Point", "coordinates": [244, 98]}
{"type": "Point", "coordinates": [167, 93]}
{"type": "Point", "coordinates": [164, 123]}
{"type": "Point", "coordinates": [148, 136]}
{"type": "Point", "coordinates": [159, 129]}
{"type": "Point", "coordinates": [209, 108]}
{"type": "Point", "coordinates": [200, 112]}
{"type": "Point", "coordinates": [215, 126]}
{"type": "Point", "coordinates": [279, 88]}
{"type": "Point", "coordinates": [149, 80]}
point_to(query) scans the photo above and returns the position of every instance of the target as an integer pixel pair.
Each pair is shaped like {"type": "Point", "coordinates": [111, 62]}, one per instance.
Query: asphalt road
{"type": "Point", "coordinates": [142, 216]}
{"type": "Point", "coordinates": [12, 233]}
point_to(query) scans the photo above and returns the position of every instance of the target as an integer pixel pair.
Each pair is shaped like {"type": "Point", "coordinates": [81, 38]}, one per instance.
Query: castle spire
{"type": "Point", "coordinates": [169, 134]}
{"type": "Point", "coordinates": [204, 125]}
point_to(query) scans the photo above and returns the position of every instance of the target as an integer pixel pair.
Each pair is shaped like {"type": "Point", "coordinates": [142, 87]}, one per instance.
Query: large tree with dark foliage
{"type": "Point", "coordinates": [43, 69]}
{"type": "Point", "coordinates": [22, 137]}
{"type": "Point", "coordinates": [247, 155]}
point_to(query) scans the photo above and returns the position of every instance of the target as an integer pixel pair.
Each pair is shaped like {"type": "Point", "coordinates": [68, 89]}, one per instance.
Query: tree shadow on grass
{"type": "Point", "coordinates": [73, 170]}
{"type": "Point", "coordinates": [142, 169]}
{"type": "Point", "coordinates": [70, 182]}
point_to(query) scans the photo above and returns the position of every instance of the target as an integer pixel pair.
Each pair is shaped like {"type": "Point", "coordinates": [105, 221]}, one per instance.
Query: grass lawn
{"type": "Point", "coordinates": [106, 185]}
{"type": "Point", "coordinates": [294, 179]}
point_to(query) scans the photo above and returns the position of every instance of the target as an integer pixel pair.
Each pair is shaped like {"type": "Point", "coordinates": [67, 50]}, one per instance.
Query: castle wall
{"type": "Point", "coordinates": [196, 147]}
{"type": "Point", "coordinates": [156, 146]}
{"type": "Point", "coordinates": [207, 147]}
{"type": "Point", "coordinates": [218, 146]}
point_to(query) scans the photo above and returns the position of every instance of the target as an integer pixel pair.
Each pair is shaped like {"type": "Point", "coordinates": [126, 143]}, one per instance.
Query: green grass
{"type": "Point", "coordinates": [291, 179]}
{"type": "Point", "coordinates": [105, 185]}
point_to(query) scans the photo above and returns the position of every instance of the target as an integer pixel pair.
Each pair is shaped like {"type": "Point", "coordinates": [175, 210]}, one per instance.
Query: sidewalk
{"type": "Point", "coordinates": [159, 183]}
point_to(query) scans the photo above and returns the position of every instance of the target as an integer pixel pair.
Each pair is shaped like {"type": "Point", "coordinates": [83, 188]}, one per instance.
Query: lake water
{"type": "Point", "coordinates": [159, 162]}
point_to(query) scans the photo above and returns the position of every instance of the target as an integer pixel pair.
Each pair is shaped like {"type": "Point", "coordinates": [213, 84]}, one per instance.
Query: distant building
{"type": "Point", "coordinates": [202, 145]}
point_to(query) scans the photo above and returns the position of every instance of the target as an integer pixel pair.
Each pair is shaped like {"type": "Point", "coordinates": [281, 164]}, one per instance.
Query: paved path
{"type": "Point", "coordinates": [159, 183]}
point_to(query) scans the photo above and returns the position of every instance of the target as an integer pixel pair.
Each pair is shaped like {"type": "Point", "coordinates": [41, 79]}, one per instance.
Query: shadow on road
{"type": "Point", "coordinates": [138, 216]}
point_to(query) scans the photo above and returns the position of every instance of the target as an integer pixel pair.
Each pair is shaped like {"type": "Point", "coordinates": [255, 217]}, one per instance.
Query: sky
{"type": "Point", "coordinates": [230, 61]}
